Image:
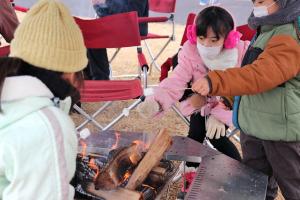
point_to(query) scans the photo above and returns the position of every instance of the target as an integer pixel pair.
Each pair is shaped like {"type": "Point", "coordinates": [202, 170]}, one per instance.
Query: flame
{"type": "Point", "coordinates": [92, 164]}
{"type": "Point", "coordinates": [84, 147]}
{"type": "Point", "coordinates": [141, 144]}
{"type": "Point", "coordinates": [127, 175]}
{"type": "Point", "coordinates": [117, 140]}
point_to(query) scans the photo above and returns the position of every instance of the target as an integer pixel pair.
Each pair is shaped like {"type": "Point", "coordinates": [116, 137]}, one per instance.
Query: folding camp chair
{"type": "Point", "coordinates": [105, 33]}
{"type": "Point", "coordinates": [4, 51]}
{"type": "Point", "coordinates": [165, 67]}
{"type": "Point", "coordinates": [19, 8]}
{"type": "Point", "coordinates": [163, 7]}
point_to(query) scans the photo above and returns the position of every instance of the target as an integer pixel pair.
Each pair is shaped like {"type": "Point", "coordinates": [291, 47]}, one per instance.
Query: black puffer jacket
{"type": "Point", "coordinates": [120, 6]}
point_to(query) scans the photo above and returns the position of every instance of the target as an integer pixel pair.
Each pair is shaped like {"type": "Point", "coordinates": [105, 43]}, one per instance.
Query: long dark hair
{"type": "Point", "coordinates": [217, 18]}
{"type": "Point", "coordinates": [53, 80]}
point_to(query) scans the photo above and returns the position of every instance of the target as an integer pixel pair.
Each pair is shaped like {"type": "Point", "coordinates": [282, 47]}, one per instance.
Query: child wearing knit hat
{"type": "Point", "coordinates": [38, 84]}
{"type": "Point", "coordinates": [267, 106]}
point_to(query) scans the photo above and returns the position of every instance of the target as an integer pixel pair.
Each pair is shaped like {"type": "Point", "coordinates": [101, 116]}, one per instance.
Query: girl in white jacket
{"type": "Point", "coordinates": [38, 144]}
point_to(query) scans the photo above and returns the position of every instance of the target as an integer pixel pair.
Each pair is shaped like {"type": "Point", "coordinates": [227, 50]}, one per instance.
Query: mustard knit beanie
{"type": "Point", "coordinates": [49, 38]}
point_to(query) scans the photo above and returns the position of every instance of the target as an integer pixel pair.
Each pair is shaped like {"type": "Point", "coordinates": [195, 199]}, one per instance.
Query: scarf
{"type": "Point", "coordinates": [228, 58]}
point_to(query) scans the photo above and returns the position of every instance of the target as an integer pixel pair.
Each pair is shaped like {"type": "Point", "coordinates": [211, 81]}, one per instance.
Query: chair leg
{"type": "Point", "coordinates": [145, 77]}
{"type": "Point", "coordinates": [154, 58]}
{"type": "Point", "coordinates": [185, 119]}
{"type": "Point", "coordinates": [114, 55]}
{"type": "Point", "coordinates": [233, 134]}
{"type": "Point", "coordinates": [89, 119]}
{"type": "Point", "coordinates": [124, 113]}
{"type": "Point", "coordinates": [159, 53]}
{"type": "Point", "coordinates": [237, 138]}
{"type": "Point", "coordinates": [150, 54]}
{"type": "Point", "coordinates": [207, 142]}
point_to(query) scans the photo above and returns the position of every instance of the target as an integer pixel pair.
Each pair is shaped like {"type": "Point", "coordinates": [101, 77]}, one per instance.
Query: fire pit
{"type": "Point", "coordinates": [114, 162]}
{"type": "Point", "coordinates": [97, 151]}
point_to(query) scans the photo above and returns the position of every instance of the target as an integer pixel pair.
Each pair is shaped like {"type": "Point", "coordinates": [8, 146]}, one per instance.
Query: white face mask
{"type": "Point", "coordinates": [208, 52]}
{"type": "Point", "coordinates": [261, 11]}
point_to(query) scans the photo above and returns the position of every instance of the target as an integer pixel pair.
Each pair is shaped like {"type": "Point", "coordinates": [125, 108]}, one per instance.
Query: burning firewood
{"type": "Point", "coordinates": [117, 169]}
{"type": "Point", "coordinates": [159, 170]}
{"type": "Point", "coordinates": [117, 194]}
{"type": "Point", "coordinates": [156, 150]}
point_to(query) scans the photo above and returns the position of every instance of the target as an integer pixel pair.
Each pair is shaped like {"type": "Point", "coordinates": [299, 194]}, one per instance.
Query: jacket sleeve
{"type": "Point", "coordinates": [223, 114]}
{"type": "Point", "coordinates": [171, 89]}
{"type": "Point", "coordinates": [8, 20]}
{"type": "Point", "coordinates": [276, 65]}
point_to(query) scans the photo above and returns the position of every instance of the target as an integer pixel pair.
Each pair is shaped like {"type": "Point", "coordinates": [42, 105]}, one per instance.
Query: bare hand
{"type": "Point", "coordinates": [201, 87]}
{"type": "Point", "coordinates": [197, 101]}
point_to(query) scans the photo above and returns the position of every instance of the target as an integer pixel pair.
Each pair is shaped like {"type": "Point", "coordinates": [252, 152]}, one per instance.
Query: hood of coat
{"type": "Point", "coordinates": [22, 95]}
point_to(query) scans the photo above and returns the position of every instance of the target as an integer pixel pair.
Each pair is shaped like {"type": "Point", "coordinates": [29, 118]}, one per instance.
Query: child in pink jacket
{"type": "Point", "coordinates": [213, 44]}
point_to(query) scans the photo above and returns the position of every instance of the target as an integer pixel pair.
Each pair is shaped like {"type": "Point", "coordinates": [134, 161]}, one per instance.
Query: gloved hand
{"type": "Point", "coordinates": [214, 128]}
{"type": "Point", "coordinates": [148, 108]}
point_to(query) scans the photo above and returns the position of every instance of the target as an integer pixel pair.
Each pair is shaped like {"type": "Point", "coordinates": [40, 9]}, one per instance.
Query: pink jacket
{"type": "Point", "coordinates": [191, 68]}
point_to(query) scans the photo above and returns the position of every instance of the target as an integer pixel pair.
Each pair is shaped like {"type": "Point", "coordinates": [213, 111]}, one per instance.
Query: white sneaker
{"type": "Point", "coordinates": [181, 170]}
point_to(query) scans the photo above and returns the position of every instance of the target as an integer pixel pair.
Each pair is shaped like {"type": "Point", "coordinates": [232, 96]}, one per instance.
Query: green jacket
{"type": "Point", "coordinates": [269, 85]}
{"type": "Point", "coordinates": [275, 114]}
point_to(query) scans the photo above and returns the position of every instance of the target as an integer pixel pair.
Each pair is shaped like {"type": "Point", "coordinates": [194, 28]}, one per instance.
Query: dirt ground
{"type": "Point", "coordinates": [126, 63]}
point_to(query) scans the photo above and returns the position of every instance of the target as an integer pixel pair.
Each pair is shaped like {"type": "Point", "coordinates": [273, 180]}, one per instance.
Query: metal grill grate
{"type": "Point", "coordinates": [220, 177]}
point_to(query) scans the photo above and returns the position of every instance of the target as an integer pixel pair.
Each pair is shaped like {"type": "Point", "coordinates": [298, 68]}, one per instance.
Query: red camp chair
{"type": "Point", "coordinates": [163, 7]}
{"type": "Point", "coordinates": [19, 8]}
{"type": "Point", "coordinates": [165, 68]}
{"type": "Point", "coordinates": [105, 33]}
{"type": "Point", "coordinates": [248, 33]}
{"type": "Point", "coordinates": [4, 51]}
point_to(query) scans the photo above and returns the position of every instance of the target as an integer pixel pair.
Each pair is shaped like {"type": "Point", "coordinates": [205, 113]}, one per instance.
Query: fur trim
{"type": "Point", "coordinates": [228, 58]}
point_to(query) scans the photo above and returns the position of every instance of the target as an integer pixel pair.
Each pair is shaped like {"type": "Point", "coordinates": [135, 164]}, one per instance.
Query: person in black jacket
{"type": "Point", "coordinates": [98, 66]}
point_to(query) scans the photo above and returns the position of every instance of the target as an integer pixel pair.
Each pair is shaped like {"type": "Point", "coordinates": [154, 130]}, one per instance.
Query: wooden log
{"type": "Point", "coordinates": [117, 194]}
{"type": "Point", "coordinates": [159, 170]}
{"type": "Point", "coordinates": [114, 172]}
{"type": "Point", "coordinates": [154, 154]}
{"type": "Point", "coordinates": [154, 180]}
